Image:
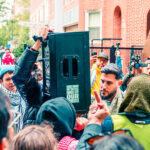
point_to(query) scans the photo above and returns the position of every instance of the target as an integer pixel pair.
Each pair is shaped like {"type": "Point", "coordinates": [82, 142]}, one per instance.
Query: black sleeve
{"type": "Point", "coordinates": [27, 86]}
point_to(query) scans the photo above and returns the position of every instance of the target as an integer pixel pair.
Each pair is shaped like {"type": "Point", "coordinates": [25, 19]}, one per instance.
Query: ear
{"type": "Point", "coordinates": [120, 83]}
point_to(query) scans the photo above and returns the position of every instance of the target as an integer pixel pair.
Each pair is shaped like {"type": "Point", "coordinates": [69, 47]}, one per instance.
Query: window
{"type": "Point", "coordinates": [94, 25]}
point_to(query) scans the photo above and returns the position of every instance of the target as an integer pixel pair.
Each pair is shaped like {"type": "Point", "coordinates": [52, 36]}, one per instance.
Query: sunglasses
{"type": "Point", "coordinates": [101, 135]}
{"type": "Point", "coordinates": [15, 120]}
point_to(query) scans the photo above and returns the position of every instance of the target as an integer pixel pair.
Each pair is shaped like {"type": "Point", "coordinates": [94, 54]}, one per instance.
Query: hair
{"type": "Point", "coordinates": [112, 69]}
{"type": "Point", "coordinates": [117, 142]}
{"type": "Point", "coordinates": [35, 137]}
{"type": "Point", "coordinates": [4, 114]}
{"type": "Point", "coordinates": [9, 72]}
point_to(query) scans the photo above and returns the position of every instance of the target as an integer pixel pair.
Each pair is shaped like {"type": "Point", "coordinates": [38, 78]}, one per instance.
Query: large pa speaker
{"type": "Point", "coordinates": [70, 68]}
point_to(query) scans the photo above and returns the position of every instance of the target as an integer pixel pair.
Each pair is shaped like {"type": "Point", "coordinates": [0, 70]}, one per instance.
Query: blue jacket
{"type": "Point", "coordinates": [28, 87]}
{"type": "Point", "coordinates": [93, 130]}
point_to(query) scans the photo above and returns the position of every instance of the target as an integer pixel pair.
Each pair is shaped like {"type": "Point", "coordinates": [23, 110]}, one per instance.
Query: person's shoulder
{"type": "Point", "coordinates": [107, 124]}
{"type": "Point", "coordinates": [120, 93]}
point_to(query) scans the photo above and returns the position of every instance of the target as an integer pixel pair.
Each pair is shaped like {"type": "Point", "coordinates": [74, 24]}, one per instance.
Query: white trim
{"type": "Point", "coordinates": [87, 21]}
{"type": "Point", "coordinates": [101, 19]}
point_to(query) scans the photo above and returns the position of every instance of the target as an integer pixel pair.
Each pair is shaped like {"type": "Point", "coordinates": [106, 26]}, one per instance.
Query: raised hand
{"type": "Point", "coordinates": [81, 123]}
{"type": "Point", "coordinates": [98, 110]}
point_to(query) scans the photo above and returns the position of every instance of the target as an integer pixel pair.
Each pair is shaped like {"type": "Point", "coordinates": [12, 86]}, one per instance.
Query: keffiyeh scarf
{"type": "Point", "coordinates": [17, 104]}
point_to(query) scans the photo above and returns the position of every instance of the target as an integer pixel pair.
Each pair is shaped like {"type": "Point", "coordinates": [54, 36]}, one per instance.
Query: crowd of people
{"type": "Point", "coordinates": [118, 118]}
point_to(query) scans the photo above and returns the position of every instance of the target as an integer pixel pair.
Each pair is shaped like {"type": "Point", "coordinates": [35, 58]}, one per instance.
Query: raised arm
{"type": "Point", "coordinates": [28, 87]}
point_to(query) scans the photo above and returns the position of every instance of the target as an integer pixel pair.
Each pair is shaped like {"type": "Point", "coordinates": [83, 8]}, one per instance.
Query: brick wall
{"type": "Point", "coordinates": [51, 10]}
{"type": "Point", "coordinates": [131, 27]}
{"type": "Point", "coordinates": [133, 23]}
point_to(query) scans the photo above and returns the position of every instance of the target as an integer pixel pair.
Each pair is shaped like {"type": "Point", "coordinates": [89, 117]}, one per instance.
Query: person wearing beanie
{"type": "Point", "coordinates": [17, 103]}
{"type": "Point", "coordinates": [134, 115]}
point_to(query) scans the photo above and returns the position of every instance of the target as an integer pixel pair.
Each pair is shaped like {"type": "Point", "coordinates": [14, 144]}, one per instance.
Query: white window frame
{"type": "Point", "coordinates": [87, 16]}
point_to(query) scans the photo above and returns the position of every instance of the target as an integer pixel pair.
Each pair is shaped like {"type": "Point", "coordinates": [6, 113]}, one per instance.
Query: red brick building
{"type": "Point", "coordinates": [126, 19]}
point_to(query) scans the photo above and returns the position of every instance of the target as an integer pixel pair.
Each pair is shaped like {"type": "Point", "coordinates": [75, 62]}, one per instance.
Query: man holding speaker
{"type": "Point", "coordinates": [27, 85]}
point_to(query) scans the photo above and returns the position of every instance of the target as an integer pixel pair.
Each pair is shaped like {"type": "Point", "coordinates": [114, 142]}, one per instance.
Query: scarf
{"type": "Point", "coordinates": [17, 104]}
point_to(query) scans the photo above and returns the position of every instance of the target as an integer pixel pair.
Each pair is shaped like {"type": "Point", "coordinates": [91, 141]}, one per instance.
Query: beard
{"type": "Point", "coordinates": [108, 96]}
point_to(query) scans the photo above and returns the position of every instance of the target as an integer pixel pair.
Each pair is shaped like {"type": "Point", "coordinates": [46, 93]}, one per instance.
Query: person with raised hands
{"type": "Point", "coordinates": [110, 87]}
{"type": "Point", "coordinates": [98, 111]}
{"type": "Point", "coordinates": [28, 87]}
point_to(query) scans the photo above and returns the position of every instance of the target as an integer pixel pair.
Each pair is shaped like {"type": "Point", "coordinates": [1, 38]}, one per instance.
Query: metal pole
{"type": "Point", "coordinates": [101, 45]}
{"type": "Point", "coordinates": [131, 53]}
{"type": "Point", "coordinates": [43, 65]}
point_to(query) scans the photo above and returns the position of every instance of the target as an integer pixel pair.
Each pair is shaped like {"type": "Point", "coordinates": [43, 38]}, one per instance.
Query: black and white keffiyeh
{"type": "Point", "coordinates": [17, 104]}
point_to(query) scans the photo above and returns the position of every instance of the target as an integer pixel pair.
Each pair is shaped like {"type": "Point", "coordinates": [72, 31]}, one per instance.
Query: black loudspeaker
{"type": "Point", "coordinates": [70, 68]}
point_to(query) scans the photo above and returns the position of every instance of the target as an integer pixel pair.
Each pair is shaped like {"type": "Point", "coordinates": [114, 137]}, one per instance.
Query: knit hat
{"type": "Point", "coordinates": [61, 113]}
{"type": "Point", "coordinates": [6, 68]}
{"type": "Point", "coordinates": [137, 97]}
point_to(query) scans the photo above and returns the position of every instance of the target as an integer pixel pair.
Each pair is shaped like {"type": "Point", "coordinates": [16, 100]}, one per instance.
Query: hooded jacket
{"type": "Point", "coordinates": [61, 113]}
{"type": "Point", "coordinates": [138, 95]}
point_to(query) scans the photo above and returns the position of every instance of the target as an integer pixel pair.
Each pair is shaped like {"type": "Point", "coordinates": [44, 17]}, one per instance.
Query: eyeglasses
{"type": "Point", "coordinates": [101, 135]}
{"type": "Point", "coordinates": [15, 120]}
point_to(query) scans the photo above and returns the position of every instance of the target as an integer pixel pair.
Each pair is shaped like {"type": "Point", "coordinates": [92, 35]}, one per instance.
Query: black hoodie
{"type": "Point", "coordinates": [61, 113]}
